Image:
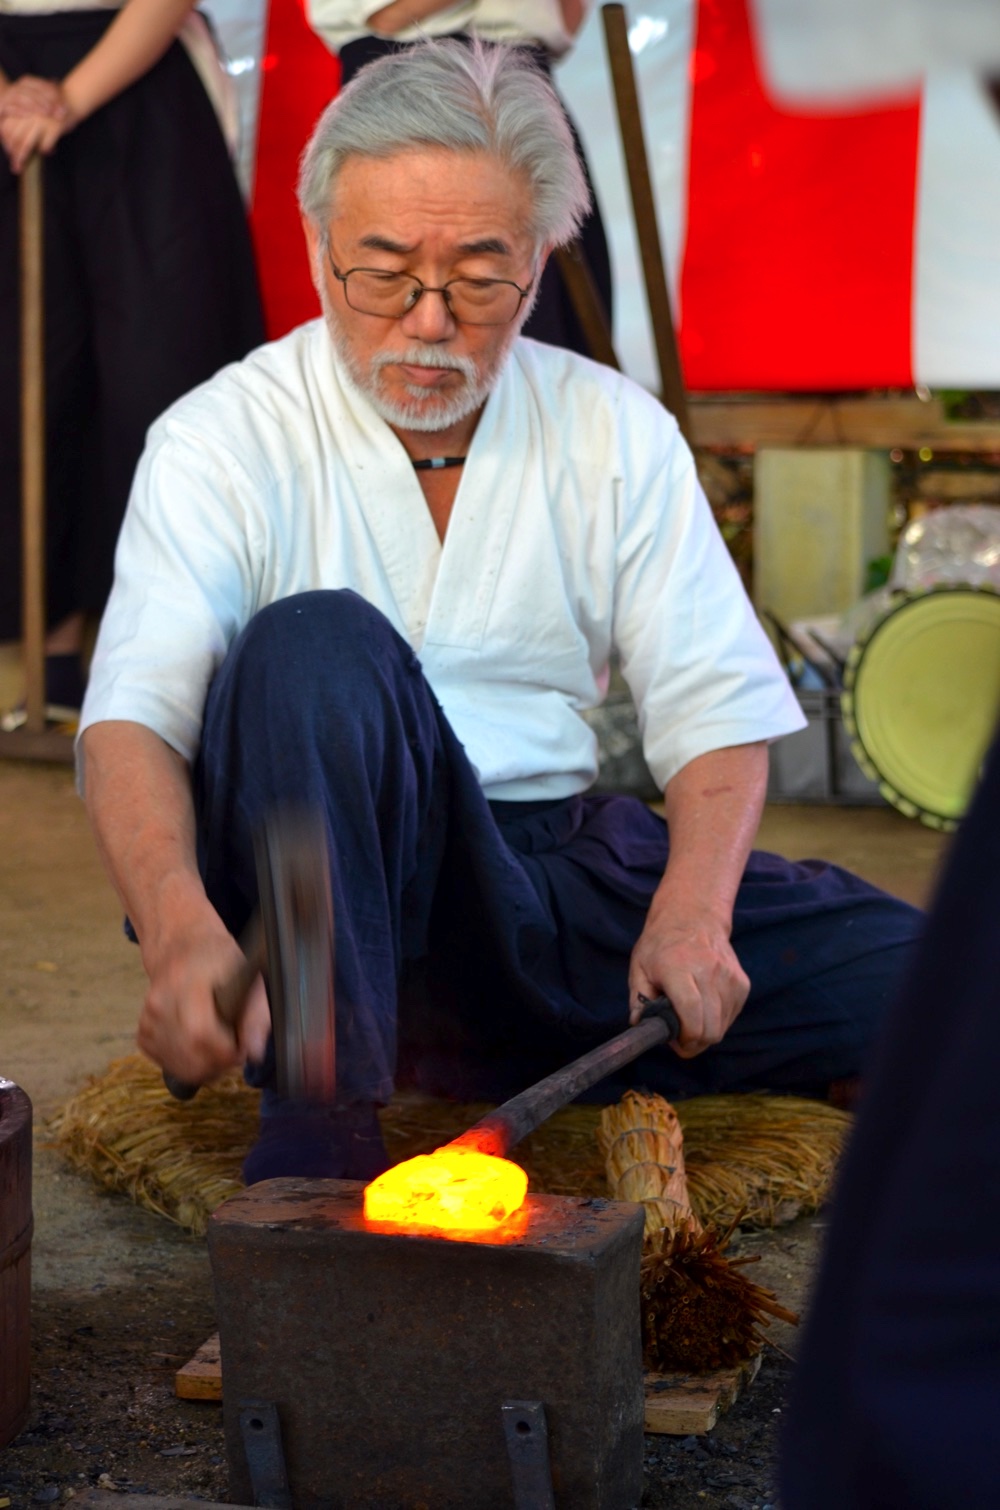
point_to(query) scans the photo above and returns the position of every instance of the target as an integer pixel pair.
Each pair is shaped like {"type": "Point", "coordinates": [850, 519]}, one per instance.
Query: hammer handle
{"type": "Point", "coordinates": [500, 1130]}
{"type": "Point", "coordinates": [230, 997]}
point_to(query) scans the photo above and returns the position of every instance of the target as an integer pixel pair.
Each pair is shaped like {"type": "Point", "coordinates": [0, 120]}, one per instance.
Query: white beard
{"type": "Point", "coordinates": [427, 411]}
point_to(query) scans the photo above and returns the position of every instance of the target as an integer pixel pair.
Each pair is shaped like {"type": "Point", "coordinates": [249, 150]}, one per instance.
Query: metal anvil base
{"type": "Point", "coordinates": [389, 1354]}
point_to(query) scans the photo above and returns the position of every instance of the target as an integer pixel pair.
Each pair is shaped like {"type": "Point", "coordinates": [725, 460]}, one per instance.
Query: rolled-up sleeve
{"type": "Point", "coordinates": [183, 589]}
{"type": "Point", "coordinates": [697, 661]}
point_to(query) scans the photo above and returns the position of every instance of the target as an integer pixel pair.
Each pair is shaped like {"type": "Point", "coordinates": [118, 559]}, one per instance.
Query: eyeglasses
{"type": "Point", "coordinates": [471, 301]}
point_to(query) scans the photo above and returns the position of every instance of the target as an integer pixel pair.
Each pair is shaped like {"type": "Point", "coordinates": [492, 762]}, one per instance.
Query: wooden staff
{"type": "Point", "coordinates": [33, 741]}
{"type": "Point", "coordinates": [33, 442]}
{"type": "Point", "coordinates": [644, 213]}
{"type": "Point", "coordinates": [587, 302]}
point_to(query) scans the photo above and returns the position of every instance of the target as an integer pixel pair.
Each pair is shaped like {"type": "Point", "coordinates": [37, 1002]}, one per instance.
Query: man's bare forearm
{"type": "Point", "coordinates": [713, 809]}
{"type": "Point", "coordinates": [400, 14]}
{"type": "Point", "coordinates": [138, 796]}
{"type": "Point", "coordinates": [137, 38]}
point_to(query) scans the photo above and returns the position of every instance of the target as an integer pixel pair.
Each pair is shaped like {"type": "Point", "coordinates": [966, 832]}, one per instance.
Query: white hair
{"type": "Point", "coordinates": [465, 97]}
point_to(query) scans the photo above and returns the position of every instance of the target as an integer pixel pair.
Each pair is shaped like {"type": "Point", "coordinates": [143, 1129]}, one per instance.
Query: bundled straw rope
{"type": "Point", "coordinates": [643, 1149]}
{"type": "Point", "coordinates": [764, 1158]}
{"type": "Point", "coordinates": [699, 1312]}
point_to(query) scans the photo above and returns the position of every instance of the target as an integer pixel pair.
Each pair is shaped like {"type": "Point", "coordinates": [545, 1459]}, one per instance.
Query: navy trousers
{"type": "Point", "coordinates": [480, 946]}
{"type": "Point", "coordinates": [895, 1402]}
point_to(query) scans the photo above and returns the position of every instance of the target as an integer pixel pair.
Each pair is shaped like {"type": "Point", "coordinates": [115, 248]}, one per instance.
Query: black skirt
{"type": "Point", "coordinates": [150, 287]}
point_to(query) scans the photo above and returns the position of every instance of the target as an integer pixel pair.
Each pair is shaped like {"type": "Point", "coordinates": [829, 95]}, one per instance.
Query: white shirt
{"type": "Point", "coordinates": [52, 7]}
{"type": "Point", "coordinates": [340, 21]}
{"type": "Point", "coordinates": [578, 526]}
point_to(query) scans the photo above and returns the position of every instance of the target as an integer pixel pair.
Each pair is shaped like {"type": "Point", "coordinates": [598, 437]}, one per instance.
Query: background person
{"type": "Point", "coordinates": [896, 1393]}
{"type": "Point", "coordinates": [149, 279]}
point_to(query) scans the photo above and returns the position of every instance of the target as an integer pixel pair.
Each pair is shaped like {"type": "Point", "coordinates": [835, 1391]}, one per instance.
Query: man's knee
{"type": "Point", "coordinates": [322, 670]}
{"type": "Point", "coordinates": [320, 629]}
{"type": "Point", "coordinates": [323, 650]}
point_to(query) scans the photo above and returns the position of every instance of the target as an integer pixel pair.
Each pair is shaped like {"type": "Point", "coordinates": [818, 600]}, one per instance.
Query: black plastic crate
{"type": "Point", "coordinates": [815, 764]}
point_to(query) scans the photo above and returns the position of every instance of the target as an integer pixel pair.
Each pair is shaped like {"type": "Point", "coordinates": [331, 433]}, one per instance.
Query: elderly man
{"type": "Point", "coordinates": [407, 477]}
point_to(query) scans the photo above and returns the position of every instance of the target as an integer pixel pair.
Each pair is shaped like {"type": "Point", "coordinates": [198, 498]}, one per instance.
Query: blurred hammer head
{"type": "Point", "coordinates": [296, 909]}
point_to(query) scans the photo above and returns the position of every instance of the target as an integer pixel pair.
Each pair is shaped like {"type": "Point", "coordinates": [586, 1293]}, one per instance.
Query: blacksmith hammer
{"type": "Point", "coordinates": [290, 941]}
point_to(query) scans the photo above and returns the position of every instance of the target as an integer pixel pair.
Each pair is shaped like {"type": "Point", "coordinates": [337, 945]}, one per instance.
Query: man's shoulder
{"type": "Point", "coordinates": [569, 381]}
{"type": "Point", "coordinates": [273, 389]}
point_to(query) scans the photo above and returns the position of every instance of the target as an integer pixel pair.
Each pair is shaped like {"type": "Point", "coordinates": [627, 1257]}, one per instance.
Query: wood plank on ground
{"type": "Point", "coordinates": [685, 1405]}
{"type": "Point", "coordinates": [676, 1404]}
{"type": "Point", "coordinates": [201, 1376]}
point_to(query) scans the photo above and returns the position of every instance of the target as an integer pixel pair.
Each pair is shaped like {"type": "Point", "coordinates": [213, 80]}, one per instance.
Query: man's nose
{"type": "Point", "coordinates": [430, 319]}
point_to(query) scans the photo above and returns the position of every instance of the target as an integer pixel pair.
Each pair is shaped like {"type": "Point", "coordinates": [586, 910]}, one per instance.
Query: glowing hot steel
{"type": "Point", "coordinates": [454, 1189]}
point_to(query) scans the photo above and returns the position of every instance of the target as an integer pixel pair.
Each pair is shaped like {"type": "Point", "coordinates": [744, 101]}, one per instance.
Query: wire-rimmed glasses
{"type": "Point", "coordinates": [471, 301]}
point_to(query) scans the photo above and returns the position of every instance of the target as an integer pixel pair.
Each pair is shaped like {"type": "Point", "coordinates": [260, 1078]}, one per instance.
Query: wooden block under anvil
{"type": "Point", "coordinates": [389, 1354]}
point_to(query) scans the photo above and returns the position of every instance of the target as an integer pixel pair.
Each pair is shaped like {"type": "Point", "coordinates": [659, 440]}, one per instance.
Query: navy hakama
{"type": "Point", "coordinates": [480, 946]}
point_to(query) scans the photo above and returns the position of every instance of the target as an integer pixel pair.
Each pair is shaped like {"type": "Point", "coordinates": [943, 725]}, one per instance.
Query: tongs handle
{"type": "Point", "coordinates": [499, 1130]}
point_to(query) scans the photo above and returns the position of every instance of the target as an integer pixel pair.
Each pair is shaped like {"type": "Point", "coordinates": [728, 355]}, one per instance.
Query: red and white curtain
{"type": "Point", "coordinates": [829, 205]}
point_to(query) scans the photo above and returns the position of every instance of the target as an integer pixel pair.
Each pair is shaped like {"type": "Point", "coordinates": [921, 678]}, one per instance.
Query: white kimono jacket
{"type": "Point", "coordinates": [579, 526]}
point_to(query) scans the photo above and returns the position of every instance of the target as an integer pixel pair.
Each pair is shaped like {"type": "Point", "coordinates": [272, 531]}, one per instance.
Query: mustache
{"type": "Point", "coordinates": [419, 356]}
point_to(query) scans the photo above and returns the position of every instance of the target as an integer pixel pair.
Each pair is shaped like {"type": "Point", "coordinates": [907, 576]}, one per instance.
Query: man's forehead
{"type": "Point", "coordinates": [389, 203]}
{"type": "Point", "coordinates": [476, 246]}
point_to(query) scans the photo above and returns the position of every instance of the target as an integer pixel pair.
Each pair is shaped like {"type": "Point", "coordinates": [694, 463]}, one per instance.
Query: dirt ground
{"type": "Point", "coordinates": [121, 1298]}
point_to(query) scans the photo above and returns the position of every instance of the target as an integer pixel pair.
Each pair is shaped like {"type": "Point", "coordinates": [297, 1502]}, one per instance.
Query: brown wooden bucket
{"type": "Point", "coordinates": [15, 1259]}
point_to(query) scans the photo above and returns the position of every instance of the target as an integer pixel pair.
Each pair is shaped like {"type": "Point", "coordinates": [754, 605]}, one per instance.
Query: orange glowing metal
{"type": "Point", "coordinates": [454, 1189]}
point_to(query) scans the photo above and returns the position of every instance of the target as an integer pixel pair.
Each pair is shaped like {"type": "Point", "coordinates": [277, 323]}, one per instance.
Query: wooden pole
{"type": "Point", "coordinates": [33, 741]}
{"type": "Point", "coordinates": [33, 443]}
{"type": "Point", "coordinates": [587, 303]}
{"type": "Point", "coordinates": [644, 212]}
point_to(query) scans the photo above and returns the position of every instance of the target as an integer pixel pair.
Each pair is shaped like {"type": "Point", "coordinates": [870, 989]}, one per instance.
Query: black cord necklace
{"type": "Point", "coordinates": [436, 463]}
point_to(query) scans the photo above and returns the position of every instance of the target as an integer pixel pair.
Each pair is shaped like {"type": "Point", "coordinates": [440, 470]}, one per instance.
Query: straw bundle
{"type": "Point", "coordinates": [765, 1157]}
{"type": "Point", "coordinates": [643, 1148]}
{"type": "Point", "coordinates": [699, 1312]}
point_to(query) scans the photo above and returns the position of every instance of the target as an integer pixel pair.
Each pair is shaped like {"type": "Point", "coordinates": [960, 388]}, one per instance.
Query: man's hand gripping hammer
{"type": "Point", "coordinates": [290, 941]}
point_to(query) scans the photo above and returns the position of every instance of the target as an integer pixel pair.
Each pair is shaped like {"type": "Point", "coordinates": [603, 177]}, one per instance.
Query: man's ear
{"type": "Point", "coordinates": [311, 232]}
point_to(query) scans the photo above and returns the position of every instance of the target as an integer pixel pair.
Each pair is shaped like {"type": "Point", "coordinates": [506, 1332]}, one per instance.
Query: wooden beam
{"type": "Point", "coordinates": [880, 424]}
